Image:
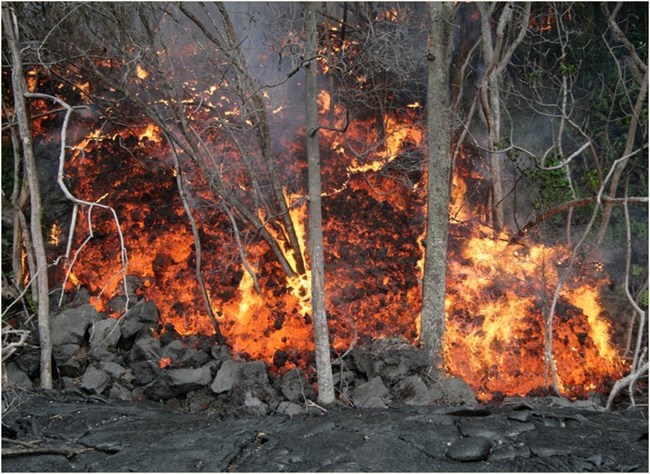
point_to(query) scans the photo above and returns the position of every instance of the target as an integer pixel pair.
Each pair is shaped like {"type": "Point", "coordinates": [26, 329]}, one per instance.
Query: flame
{"type": "Point", "coordinates": [141, 72]}
{"type": "Point", "coordinates": [498, 302]}
{"type": "Point", "coordinates": [32, 80]}
{"type": "Point", "coordinates": [164, 362]}
{"type": "Point", "coordinates": [55, 234]}
{"type": "Point", "coordinates": [498, 294]}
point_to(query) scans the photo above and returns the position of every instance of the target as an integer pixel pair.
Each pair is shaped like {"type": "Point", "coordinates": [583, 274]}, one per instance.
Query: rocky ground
{"type": "Point", "coordinates": [66, 432]}
{"type": "Point", "coordinates": [129, 398]}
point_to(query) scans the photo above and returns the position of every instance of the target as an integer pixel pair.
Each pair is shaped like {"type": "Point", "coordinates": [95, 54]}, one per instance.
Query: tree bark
{"type": "Point", "coordinates": [496, 58]}
{"type": "Point", "coordinates": [25, 133]}
{"type": "Point", "coordinates": [438, 182]}
{"type": "Point", "coordinates": [315, 226]}
{"type": "Point", "coordinates": [629, 147]}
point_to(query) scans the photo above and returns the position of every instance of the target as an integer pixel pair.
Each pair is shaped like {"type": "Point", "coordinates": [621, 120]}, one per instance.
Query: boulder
{"type": "Point", "coordinates": [255, 371]}
{"type": "Point", "coordinates": [69, 326]}
{"type": "Point", "coordinates": [147, 349]}
{"type": "Point", "coordinates": [411, 391]}
{"type": "Point", "coordinates": [220, 353]}
{"type": "Point", "coordinates": [142, 315]}
{"type": "Point", "coordinates": [174, 351]}
{"type": "Point", "coordinates": [200, 399]}
{"type": "Point", "coordinates": [175, 382]}
{"type": "Point", "coordinates": [95, 380]}
{"type": "Point", "coordinates": [104, 336]}
{"type": "Point", "coordinates": [120, 392]}
{"type": "Point", "coordinates": [16, 377]}
{"type": "Point", "coordinates": [192, 358]}
{"type": "Point", "coordinates": [293, 386]}
{"type": "Point", "coordinates": [194, 378]}
{"type": "Point", "coordinates": [117, 372]}
{"type": "Point", "coordinates": [372, 394]}
{"type": "Point", "coordinates": [229, 375]}
{"type": "Point", "coordinates": [391, 359]}
{"type": "Point", "coordinates": [290, 408]}
{"type": "Point", "coordinates": [145, 360]}
{"type": "Point", "coordinates": [457, 392]}
{"type": "Point", "coordinates": [143, 372]}
{"type": "Point", "coordinates": [71, 359]}
{"type": "Point", "coordinates": [252, 397]}
{"type": "Point", "coordinates": [471, 449]}
{"type": "Point", "coordinates": [29, 359]}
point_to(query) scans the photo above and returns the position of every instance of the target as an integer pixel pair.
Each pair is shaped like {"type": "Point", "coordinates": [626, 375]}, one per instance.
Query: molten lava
{"type": "Point", "coordinates": [499, 294]}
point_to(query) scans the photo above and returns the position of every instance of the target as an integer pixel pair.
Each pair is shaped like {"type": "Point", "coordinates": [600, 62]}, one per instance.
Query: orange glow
{"type": "Point", "coordinates": [164, 362]}
{"type": "Point", "coordinates": [373, 218]}
{"type": "Point", "coordinates": [498, 299]}
{"type": "Point", "coordinates": [55, 234]}
{"type": "Point", "coordinates": [32, 80]}
{"type": "Point", "coordinates": [140, 72]}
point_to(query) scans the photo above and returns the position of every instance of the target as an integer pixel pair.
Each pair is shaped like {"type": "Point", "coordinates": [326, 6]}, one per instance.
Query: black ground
{"type": "Point", "coordinates": [57, 433]}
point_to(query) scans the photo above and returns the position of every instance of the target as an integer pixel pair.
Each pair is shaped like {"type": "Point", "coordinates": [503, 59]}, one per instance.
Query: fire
{"type": "Point", "coordinates": [141, 72]}
{"type": "Point", "coordinates": [498, 297]}
{"type": "Point", "coordinates": [498, 303]}
{"type": "Point", "coordinates": [32, 80]}
{"type": "Point", "coordinates": [164, 362]}
{"type": "Point", "coordinates": [55, 234]}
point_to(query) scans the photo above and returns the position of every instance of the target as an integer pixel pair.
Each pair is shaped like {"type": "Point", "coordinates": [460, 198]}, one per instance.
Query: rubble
{"type": "Point", "coordinates": [129, 359]}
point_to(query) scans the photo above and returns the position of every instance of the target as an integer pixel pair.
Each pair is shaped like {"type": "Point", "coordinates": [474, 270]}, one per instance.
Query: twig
{"type": "Point", "coordinates": [197, 240]}
{"type": "Point", "coordinates": [67, 452]}
{"type": "Point", "coordinates": [242, 253]}
{"type": "Point", "coordinates": [309, 403]}
{"type": "Point", "coordinates": [64, 132]}
{"type": "Point", "coordinates": [624, 382]}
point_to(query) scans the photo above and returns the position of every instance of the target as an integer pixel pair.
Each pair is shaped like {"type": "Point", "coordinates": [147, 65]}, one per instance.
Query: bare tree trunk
{"type": "Point", "coordinates": [629, 146]}
{"type": "Point", "coordinates": [496, 58]}
{"type": "Point", "coordinates": [25, 133]}
{"type": "Point", "coordinates": [319, 314]}
{"type": "Point", "coordinates": [438, 183]}
{"type": "Point", "coordinates": [255, 110]}
{"type": "Point", "coordinates": [197, 244]}
{"type": "Point", "coordinates": [22, 241]}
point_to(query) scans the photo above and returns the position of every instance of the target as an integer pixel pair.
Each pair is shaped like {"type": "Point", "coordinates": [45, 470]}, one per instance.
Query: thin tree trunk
{"type": "Point", "coordinates": [319, 314]}
{"type": "Point", "coordinates": [629, 146]}
{"type": "Point", "coordinates": [25, 132]}
{"type": "Point", "coordinates": [438, 183]}
{"type": "Point", "coordinates": [255, 111]}
{"type": "Point", "coordinates": [197, 244]}
{"type": "Point", "coordinates": [496, 58]}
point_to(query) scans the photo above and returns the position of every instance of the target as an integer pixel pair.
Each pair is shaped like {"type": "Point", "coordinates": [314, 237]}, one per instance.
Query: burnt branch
{"type": "Point", "coordinates": [343, 129]}
{"type": "Point", "coordinates": [80, 202]}
{"type": "Point", "coordinates": [197, 242]}
{"type": "Point", "coordinates": [572, 205]}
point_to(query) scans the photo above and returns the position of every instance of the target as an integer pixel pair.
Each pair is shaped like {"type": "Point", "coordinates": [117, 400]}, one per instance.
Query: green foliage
{"type": "Point", "coordinates": [617, 231]}
{"type": "Point", "coordinates": [567, 70]}
{"type": "Point", "coordinates": [591, 182]}
{"type": "Point", "coordinates": [636, 270]}
{"type": "Point", "coordinates": [644, 298]}
{"type": "Point", "coordinates": [552, 186]}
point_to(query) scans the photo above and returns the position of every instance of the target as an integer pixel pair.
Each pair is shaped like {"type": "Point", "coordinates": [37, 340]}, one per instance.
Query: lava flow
{"type": "Point", "coordinates": [499, 334]}
{"type": "Point", "coordinates": [498, 293]}
{"type": "Point", "coordinates": [499, 300]}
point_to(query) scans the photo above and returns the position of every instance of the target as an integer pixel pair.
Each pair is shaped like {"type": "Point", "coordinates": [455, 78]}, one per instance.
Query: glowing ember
{"type": "Point", "coordinates": [499, 293]}
{"type": "Point", "coordinates": [498, 301]}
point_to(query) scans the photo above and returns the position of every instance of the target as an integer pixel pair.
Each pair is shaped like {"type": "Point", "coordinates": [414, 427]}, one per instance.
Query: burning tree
{"type": "Point", "coordinates": [195, 138]}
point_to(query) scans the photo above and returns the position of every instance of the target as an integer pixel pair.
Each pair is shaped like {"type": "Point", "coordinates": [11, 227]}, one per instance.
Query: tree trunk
{"type": "Point", "coordinates": [629, 147]}
{"type": "Point", "coordinates": [496, 57]}
{"type": "Point", "coordinates": [438, 182]}
{"type": "Point", "coordinates": [319, 314]}
{"type": "Point", "coordinates": [25, 133]}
